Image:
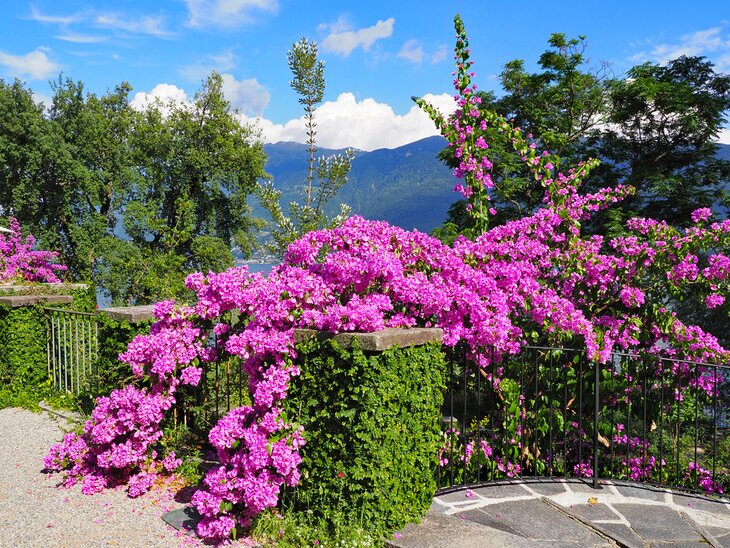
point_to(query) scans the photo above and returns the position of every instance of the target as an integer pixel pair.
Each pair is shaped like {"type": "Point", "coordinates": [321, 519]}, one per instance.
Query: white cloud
{"type": "Point", "coordinates": [713, 42]}
{"type": "Point", "coordinates": [222, 62]}
{"type": "Point", "coordinates": [46, 100]}
{"type": "Point", "coordinates": [80, 38]}
{"type": "Point", "coordinates": [227, 13]}
{"type": "Point", "coordinates": [365, 125]}
{"type": "Point", "coordinates": [162, 94]}
{"type": "Point", "coordinates": [147, 24]}
{"type": "Point", "coordinates": [724, 136]}
{"type": "Point", "coordinates": [35, 64]}
{"type": "Point", "coordinates": [723, 62]}
{"type": "Point", "coordinates": [342, 24]}
{"type": "Point", "coordinates": [440, 54]}
{"type": "Point", "coordinates": [411, 51]}
{"type": "Point", "coordinates": [248, 96]}
{"type": "Point", "coordinates": [344, 42]}
{"type": "Point", "coordinates": [36, 15]}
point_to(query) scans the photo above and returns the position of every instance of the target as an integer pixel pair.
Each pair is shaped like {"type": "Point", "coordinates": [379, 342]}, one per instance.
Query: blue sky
{"type": "Point", "coordinates": [378, 54]}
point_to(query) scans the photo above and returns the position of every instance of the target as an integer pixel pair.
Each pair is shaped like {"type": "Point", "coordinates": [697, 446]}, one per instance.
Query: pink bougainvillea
{"type": "Point", "coordinates": [19, 262]}
{"type": "Point", "coordinates": [536, 275]}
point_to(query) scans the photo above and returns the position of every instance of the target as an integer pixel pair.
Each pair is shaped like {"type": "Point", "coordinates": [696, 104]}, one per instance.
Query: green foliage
{"type": "Point", "coordinates": [24, 397]}
{"type": "Point", "coordinates": [23, 346]}
{"type": "Point", "coordinates": [187, 447]}
{"type": "Point", "coordinates": [663, 124]}
{"type": "Point", "coordinates": [654, 128]}
{"type": "Point", "coordinates": [325, 175]}
{"type": "Point", "coordinates": [174, 177]}
{"type": "Point", "coordinates": [23, 342]}
{"type": "Point", "coordinates": [199, 165]}
{"type": "Point", "coordinates": [296, 529]}
{"type": "Point", "coordinates": [564, 102]}
{"type": "Point", "coordinates": [371, 425]}
{"type": "Point", "coordinates": [540, 418]}
{"type": "Point", "coordinates": [223, 386]}
{"type": "Point", "coordinates": [108, 372]}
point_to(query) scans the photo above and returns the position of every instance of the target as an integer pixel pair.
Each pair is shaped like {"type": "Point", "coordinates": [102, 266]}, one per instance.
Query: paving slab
{"type": "Point", "coordinates": [558, 513]}
{"type": "Point", "coordinates": [440, 531]}
{"type": "Point", "coordinates": [697, 502]}
{"type": "Point", "coordinates": [502, 491]}
{"type": "Point", "coordinates": [182, 519]}
{"type": "Point", "coordinates": [580, 487]}
{"type": "Point", "coordinates": [592, 512]}
{"type": "Point", "coordinates": [551, 488]}
{"type": "Point", "coordinates": [621, 534]}
{"type": "Point", "coordinates": [489, 518]}
{"type": "Point", "coordinates": [723, 540]}
{"type": "Point", "coordinates": [679, 544]}
{"type": "Point", "coordinates": [645, 493]}
{"type": "Point", "coordinates": [658, 523]}
{"type": "Point", "coordinates": [535, 519]}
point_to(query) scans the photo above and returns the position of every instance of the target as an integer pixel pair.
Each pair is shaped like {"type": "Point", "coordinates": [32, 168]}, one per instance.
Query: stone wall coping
{"type": "Point", "coordinates": [64, 286]}
{"type": "Point", "coordinates": [131, 314]}
{"type": "Point", "coordinates": [377, 341]}
{"type": "Point", "coordinates": [16, 301]}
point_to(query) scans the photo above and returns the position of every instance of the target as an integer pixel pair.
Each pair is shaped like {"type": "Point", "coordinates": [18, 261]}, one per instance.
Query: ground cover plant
{"type": "Point", "coordinates": [536, 278]}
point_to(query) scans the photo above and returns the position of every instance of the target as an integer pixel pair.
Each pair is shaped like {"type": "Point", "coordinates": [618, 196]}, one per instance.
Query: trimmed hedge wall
{"type": "Point", "coordinates": [23, 346]}
{"type": "Point", "coordinates": [372, 430]}
{"type": "Point", "coordinates": [23, 340]}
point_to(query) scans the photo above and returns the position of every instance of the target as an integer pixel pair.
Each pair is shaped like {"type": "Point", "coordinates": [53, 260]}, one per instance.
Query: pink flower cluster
{"type": "Point", "coordinates": [118, 444]}
{"type": "Point", "coordinates": [20, 263]}
{"type": "Point", "coordinates": [533, 275]}
{"type": "Point", "coordinates": [696, 475]}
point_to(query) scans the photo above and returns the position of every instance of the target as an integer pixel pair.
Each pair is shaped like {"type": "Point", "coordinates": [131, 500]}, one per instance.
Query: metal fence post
{"type": "Point", "coordinates": [596, 408]}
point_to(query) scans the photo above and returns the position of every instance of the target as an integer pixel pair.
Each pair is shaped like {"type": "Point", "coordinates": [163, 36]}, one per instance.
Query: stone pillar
{"type": "Point", "coordinates": [370, 404]}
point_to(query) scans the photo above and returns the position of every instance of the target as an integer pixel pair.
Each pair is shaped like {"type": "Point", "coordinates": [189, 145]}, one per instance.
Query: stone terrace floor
{"type": "Point", "coordinates": [569, 514]}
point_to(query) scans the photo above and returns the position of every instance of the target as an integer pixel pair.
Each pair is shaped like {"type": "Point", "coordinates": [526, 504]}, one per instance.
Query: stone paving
{"type": "Point", "coordinates": [569, 514]}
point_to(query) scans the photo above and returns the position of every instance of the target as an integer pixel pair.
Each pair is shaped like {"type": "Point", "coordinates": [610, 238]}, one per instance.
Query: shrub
{"type": "Point", "coordinates": [371, 422]}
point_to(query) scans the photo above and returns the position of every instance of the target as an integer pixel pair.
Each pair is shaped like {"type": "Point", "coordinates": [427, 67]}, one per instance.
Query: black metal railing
{"type": "Point", "coordinates": [223, 386]}
{"type": "Point", "coordinates": [551, 412]}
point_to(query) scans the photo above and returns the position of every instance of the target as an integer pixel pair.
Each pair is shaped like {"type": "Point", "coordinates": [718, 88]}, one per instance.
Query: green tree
{"type": "Point", "coordinates": [325, 175]}
{"type": "Point", "coordinates": [196, 166]}
{"type": "Point", "coordinates": [44, 180]}
{"type": "Point", "coordinates": [655, 129]}
{"type": "Point", "coordinates": [560, 107]}
{"type": "Point", "coordinates": [663, 124]}
{"type": "Point", "coordinates": [133, 200]}
{"type": "Point", "coordinates": [565, 102]}
{"type": "Point", "coordinates": [97, 132]}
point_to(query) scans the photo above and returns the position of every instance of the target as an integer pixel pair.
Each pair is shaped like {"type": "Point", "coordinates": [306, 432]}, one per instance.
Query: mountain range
{"type": "Point", "coordinates": [406, 186]}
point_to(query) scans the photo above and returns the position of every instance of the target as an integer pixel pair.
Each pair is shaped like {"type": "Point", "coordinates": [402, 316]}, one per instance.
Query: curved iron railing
{"type": "Point", "coordinates": [550, 412]}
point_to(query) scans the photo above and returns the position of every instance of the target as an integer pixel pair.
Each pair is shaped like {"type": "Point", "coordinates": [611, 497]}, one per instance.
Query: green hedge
{"type": "Point", "coordinates": [372, 430]}
{"type": "Point", "coordinates": [23, 340]}
{"type": "Point", "coordinates": [23, 360]}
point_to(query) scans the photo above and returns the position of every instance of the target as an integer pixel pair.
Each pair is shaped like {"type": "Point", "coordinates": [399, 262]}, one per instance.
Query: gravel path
{"type": "Point", "coordinates": [34, 512]}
